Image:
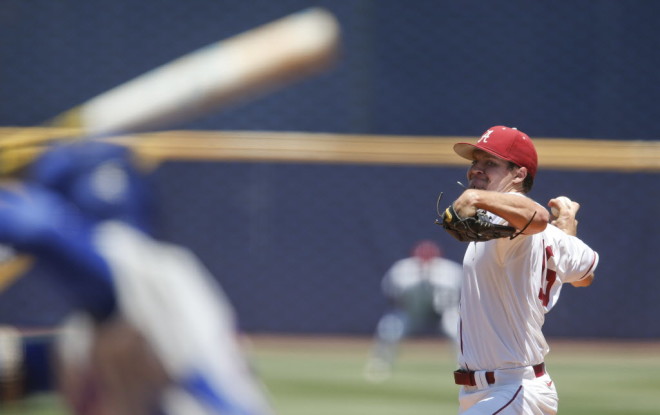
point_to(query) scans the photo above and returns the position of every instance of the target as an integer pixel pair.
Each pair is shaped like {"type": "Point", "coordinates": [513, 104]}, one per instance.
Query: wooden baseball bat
{"type": "Point", "coordinates": [244, 66]}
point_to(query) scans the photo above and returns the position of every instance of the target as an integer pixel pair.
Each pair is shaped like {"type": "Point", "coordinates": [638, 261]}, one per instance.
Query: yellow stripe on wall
{"type": "Point", "coordinates": [299, 147]}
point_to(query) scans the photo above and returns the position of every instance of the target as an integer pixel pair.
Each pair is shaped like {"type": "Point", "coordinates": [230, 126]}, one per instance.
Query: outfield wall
{"type": "Point", "coordinates": [300, 228]}
{"type": "Point", "coordinates": [301, 236]}
{"type": "Point", "coordinates": [301, 247]}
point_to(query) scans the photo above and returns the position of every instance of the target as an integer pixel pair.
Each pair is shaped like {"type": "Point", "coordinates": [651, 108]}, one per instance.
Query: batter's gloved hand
{"type": "Point", "coordinates": [477, 228]}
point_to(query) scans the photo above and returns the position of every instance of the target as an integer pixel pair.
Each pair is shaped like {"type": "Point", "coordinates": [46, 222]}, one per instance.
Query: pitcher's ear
{"type": "Point", "coordinates": [521, 173]}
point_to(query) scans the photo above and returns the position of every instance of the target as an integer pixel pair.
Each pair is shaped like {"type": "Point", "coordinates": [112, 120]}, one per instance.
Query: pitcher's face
{"type": "Point", "coordinates": [489, 172]}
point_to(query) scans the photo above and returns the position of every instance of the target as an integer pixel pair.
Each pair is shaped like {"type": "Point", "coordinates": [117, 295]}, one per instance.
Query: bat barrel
{"type": "Point", "coordinates": [252, 63]}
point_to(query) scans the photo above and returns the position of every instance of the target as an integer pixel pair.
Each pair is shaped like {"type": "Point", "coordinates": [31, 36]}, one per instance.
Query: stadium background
{"type": "Point", "coordinates": [301, 247]}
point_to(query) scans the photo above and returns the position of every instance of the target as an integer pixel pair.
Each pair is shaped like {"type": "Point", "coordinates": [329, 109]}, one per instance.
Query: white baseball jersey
{"type": "Point", "coordinates": [508, 286]}
{"type": "Point", "coordinates": [168, 294]}
{"type": "Point", "coordinates": [430, 284]}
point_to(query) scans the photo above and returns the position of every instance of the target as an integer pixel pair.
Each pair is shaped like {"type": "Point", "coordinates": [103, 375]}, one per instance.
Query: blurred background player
{"type": "Point", "coordinates": [423, 291]}
{"type": "Point", "coordinates": [150, 330]}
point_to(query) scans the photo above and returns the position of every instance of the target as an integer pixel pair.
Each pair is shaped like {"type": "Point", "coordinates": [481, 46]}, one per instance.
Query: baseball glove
{"type": "Point", "coordinates": [477, 228]}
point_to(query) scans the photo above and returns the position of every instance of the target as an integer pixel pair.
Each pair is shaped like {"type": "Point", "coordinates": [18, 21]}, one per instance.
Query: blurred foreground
{"type": "Point", "coordinates": [323, 376]}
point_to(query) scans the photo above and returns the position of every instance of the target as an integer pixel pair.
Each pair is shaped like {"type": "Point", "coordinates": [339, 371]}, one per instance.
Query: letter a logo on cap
{"type": "Point", "coordinates": [484, 138]}
{"type": "Point", "coordinates": [506, 143]}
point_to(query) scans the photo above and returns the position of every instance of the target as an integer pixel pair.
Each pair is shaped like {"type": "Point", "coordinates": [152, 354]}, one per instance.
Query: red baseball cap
{"type": "Point", "coordinates": [426, 250]}
{"type": "Point", "coordinates": [506, 143]}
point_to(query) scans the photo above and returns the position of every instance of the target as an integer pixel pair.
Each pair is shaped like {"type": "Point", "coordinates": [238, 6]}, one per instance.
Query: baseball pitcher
{"type": "Point", "coordinates": [517, 259]}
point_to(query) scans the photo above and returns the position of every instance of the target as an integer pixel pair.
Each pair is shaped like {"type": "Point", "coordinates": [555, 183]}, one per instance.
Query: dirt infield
{"type": "Point", "coordinates": [561, 350]}
{"type": "Point", "coordinates": [284, 342]}
{"type": "Point", "coordinates": [288, 341]}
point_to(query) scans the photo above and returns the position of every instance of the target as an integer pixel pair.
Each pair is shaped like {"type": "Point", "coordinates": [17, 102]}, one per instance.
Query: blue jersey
{"type": "Point", "coordinates": [51, 217]}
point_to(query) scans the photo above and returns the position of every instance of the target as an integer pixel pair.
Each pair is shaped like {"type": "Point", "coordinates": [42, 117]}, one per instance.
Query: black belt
{"type": "Point", "coordinates": [466, 377]}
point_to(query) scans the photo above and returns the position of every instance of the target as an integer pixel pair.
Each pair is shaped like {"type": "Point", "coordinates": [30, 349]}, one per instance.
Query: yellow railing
{"type": "Point", "coordinates": [18, 145]}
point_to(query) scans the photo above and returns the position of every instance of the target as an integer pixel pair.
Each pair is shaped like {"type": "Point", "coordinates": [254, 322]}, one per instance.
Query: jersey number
{"type": "Point", "coordinates": [549, 276]}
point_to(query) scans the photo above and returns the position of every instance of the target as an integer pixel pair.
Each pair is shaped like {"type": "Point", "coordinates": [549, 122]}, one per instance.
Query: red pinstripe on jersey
{"type": "Point", "coordinates": [591, 267]}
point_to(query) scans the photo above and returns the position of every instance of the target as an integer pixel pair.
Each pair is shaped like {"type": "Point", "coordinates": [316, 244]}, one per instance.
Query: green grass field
{"type": "Point", "coordinates": [323, 376]}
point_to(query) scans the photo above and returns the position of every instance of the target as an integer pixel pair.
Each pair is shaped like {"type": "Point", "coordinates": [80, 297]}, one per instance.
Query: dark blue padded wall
{"type": "Point", "coordinates": [554, 69]}
{"type": "Point", "coordinates": [302, 248]}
